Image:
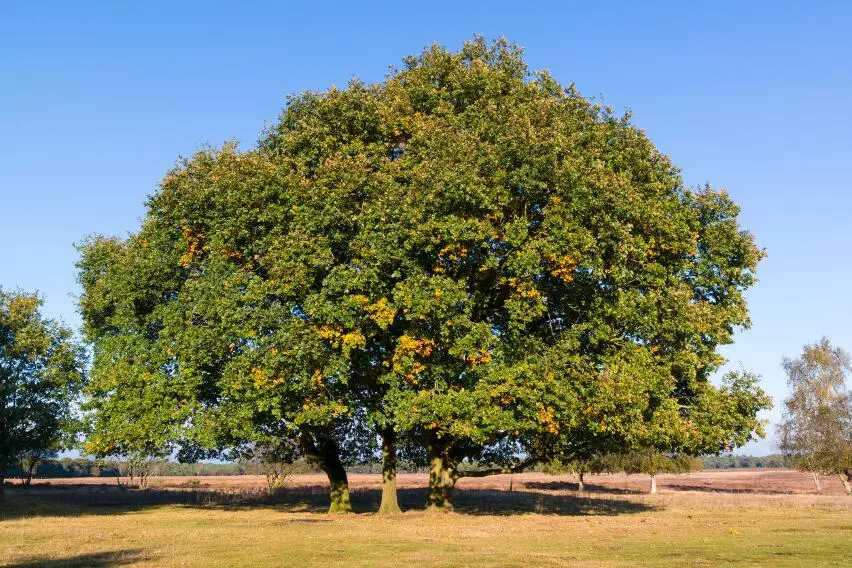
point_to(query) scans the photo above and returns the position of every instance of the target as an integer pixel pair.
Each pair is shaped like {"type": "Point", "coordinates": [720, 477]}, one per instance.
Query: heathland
{"type": "Point", "coordinates": [743, 517]}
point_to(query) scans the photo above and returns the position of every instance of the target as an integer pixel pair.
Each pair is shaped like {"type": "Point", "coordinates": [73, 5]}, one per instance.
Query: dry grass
{"type": "Point", "coordinates": [237, 524]}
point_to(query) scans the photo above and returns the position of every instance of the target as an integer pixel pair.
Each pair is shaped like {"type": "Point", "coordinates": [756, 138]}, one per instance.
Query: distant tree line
{"type": "Point", "coordinates": [734, 462]}
{"type": "Point", "coordinates": [638, 462]}
{"type": "Point", "coordinates": [82, 467]}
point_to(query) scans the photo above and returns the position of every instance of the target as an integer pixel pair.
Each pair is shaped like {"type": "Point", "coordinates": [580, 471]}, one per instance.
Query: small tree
{"type": "Point", "coordinates": [276, 459]}
{"type": "Point", "coordinates": [134, 468]}
{"type": "Point", "coordinates": [816, 428]}
{"type": "Point", "coordinates": [41, 373]}
{"type": "Point", "coordinates": [650, 463]}
{"type": "Point", "coordinates": [578, 467]}
{"type": "Point", "coordinates": [28, 463]}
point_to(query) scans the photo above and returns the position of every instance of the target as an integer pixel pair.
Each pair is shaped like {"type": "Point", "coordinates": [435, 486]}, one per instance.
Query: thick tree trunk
{"type": "Point", "coordinates": [844, 478]}
{"type": "Point", "coordinates": [2, 484]}
{"type": "Point", "coordinates": [580, 484]}
{"type": "Point", "coordinates": [390, 502]}
{"type": "Point", "coordinates": [325, 453]}
{"type": "Point", "coordinates": [653, 485]}
{"type": "Point", "coordinates": [442, 476]}
{"type": "Point", "coordinates": [442, 481]}
{"type": "Point", "coordinates": [339, 484]}
{"type": "Point", "coordinates": [816, 481]}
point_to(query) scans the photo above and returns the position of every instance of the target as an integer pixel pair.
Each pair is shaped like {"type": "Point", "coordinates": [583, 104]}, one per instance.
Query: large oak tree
{"type": "Point", "coordinates": [467, 256]}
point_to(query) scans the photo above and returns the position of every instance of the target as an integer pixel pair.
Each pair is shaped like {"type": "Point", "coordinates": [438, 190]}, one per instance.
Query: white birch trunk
{"type": "Point", "coordinates": [845, 481]}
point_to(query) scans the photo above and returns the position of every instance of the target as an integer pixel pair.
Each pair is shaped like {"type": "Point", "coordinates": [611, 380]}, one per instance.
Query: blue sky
{"type": "Point", "coordinates": [98, 100]}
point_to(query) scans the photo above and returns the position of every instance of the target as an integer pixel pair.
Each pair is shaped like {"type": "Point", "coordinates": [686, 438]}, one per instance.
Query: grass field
{"type": "Point", "coordinates": [742, 518]}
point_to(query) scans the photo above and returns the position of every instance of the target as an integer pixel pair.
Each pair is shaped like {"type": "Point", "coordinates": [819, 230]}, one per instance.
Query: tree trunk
{"type": "Point", "coordinates": [653, 484]}
{"type": "Point", "coordinates": [337, 479]}
{"type": "Point", "coordinates": [580, 484]}
{"type": "Point", "coordinates": [442, 481]}
{"type": "Point", "coordinates": [442, 476]}
{"type": "Point", "coordinates": [2, 483]}
{"type": "Point", "coordinates": [844, 478]}
{"type": "Point", "coordinates": [390, 503]}
{"type": "Point", "coordinates": [339, 484]}
{"type": "Point", "coordinates": [28, 470]}
{"type": "Point", "coordinates": [816, 481]}
{"type": "Point", "coordinates": [325, 453]}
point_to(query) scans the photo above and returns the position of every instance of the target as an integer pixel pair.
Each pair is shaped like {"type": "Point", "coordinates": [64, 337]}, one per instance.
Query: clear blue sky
{"type": "Point", "coordinates": [98, 100]}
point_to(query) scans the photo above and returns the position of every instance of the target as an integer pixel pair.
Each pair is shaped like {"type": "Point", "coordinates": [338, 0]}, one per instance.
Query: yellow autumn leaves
{"type": "Point", "coordinates": [405, 356]}
{"type": "Point", "coordinates": [563, 267]}
{"type": "Point", "coordinates": [546, 417]}
{"type": "Point", "coordinates": [337, 338]}
{"type": "Point", "coordinates": [195, 246]}
{"type": "Point", "coordinates": [381, 312]}
{"type": "Point", "coordinates": [262, 380]}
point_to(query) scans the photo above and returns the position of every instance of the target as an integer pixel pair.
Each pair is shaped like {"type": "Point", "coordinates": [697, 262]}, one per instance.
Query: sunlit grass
{"type": "Point", "coordinates": [493, 529]}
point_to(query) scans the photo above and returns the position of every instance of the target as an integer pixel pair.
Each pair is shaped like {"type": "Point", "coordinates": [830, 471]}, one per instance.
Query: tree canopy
{"type": "Point", "coordinates": [41, 374]}
{"type": "Point", "coordinates": [467, 257]}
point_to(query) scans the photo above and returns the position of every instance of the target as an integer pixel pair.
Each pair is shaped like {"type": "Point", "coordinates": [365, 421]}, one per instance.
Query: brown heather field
{"type": "Point", "coordinates": [710, 518]}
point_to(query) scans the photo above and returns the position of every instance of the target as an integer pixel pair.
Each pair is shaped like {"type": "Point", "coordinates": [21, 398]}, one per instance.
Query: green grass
{"type": "Point", "coordinates": [67, 528]}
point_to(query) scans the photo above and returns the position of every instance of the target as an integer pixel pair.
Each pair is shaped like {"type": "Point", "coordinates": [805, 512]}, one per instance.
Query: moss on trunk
{"type": "Point", "coordinates": [442, 476]}
{"type": "Point", "coordinates": [339, 492]}
{"type": "Point", "coordinates": [323, 451]}
{"type": "Point", "coordinates": [390, 501]}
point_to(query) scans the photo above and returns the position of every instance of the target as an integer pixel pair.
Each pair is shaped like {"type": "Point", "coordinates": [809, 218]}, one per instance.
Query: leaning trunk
{"type": "Point", "coordinates": [653, 484]}
{"type": "Point", "coordinates": [390, 503]}
{"type": "Point", "coordinates": [442, 477]}
{"type": "Point", "coordinates": [325, 453]}
{"type": "Point", "coordinates": [816, 481]}
{"type": "Point", "coordinates": [844, 478]}
{"type": "Point", "coordinates": [28, 469]}
{"type": "Point", "coordinates": [339, 489]}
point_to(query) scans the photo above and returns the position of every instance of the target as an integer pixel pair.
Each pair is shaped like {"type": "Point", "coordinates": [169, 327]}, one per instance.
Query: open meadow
{"type": "Point", "coordinates": [742, 517]}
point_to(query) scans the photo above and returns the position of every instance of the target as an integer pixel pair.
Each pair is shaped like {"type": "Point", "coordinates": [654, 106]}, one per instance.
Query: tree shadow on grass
{"type": "Point", "coordinates": [91, 560]}
{"type": "Point", "coordinates": [742, 490]}
{"type": "Point", "coordinates": [69, 500]}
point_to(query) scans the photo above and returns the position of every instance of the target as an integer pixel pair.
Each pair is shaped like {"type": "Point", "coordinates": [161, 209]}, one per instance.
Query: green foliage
{"type": "Point", "coordinates": [41, 374]}
{"type": "Point", "coordinates": [467, 252]}
{"type": "Point", "coordinates": [816, 427]}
